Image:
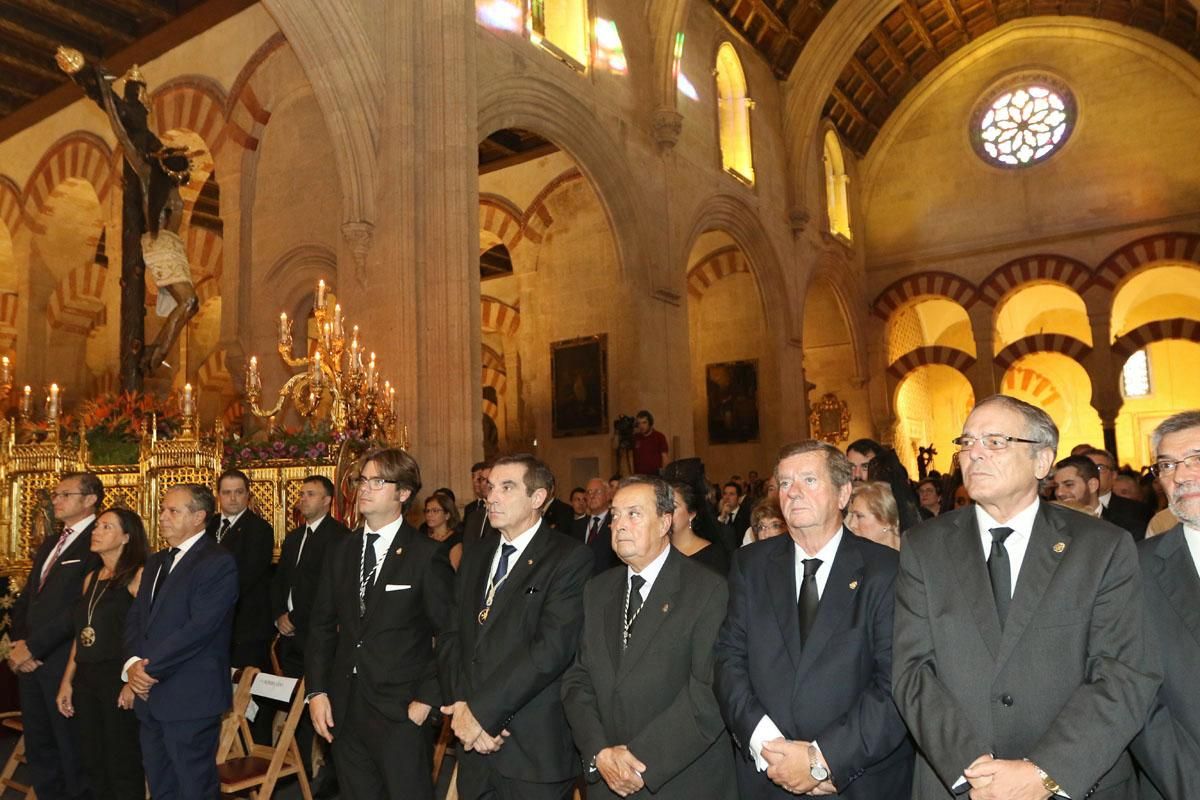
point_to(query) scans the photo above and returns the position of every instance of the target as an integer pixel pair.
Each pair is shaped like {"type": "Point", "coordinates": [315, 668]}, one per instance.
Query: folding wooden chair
{"type": "Point", "coordinates": [230, 743]}
{"type": "Point", "coordinates": [12, 721]}
{"type": "Point", "coordinates": [261, 767]}
{"type": "Point", "coordinates": [444, 741]}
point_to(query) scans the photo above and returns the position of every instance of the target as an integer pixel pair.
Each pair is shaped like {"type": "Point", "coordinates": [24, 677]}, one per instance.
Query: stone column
{"type": "Point", "coordinates": [419, 290]}
{"type": "Point", "coordinates": [984, 380]}
{"type": "Point", "coordinates": [1103, 370]}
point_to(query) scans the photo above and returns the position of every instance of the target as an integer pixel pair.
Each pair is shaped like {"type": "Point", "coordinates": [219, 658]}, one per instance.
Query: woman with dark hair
{"type": "Point", "coordinates": [684, 536]}
{"type": "Point", "coordinates": [92, 682]}
{"type": "Point", "coordinates": [441, 525]}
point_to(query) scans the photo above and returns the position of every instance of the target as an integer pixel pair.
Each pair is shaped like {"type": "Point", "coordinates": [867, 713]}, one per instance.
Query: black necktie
{"type": "Point", "coordinates": [1000, 571]}
{"type": "Point", "coordinates": [303, 541]}
{"type": "Point", "coordinates": [808, 597]}
{"type": "Point", "coordinates": [368, 569]}
{"type": "Point", "coordinates": [633, 605]}
{"type": "Point", "coordinates": [592, 529]}
{"type": "Point", "coordinates": [224, 529]}
{"type": "Point", "coordinates": [164, 569]}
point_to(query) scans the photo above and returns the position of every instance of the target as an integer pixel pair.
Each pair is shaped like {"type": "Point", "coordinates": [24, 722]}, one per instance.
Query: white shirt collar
{"type": "Point", "coordinates": [78, 528]}
{"type": "Point", "coordinates": [650, 573]}
{"type": "Point", "coordinates": [317, 524]}
{"type": "Point", "coordinates": [1017, 542]}
{"type": "Point", "coordinates": [826, 554]}
{"type": "Point", "coordinates": [186, 545]}
{"type": "Point", "coordinates": [520, 543]}
{"type": "Point", "coordinates": [1105, 499]}
{"type": "Point", "coordinates": [1192, 537]}
{"type": "Point", "coordinates": [386, 534]}
{"type": "Point", "coordinates": [233, 520]}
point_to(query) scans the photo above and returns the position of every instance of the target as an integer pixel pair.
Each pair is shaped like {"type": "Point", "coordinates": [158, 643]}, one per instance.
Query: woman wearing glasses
{"type": "Point", "coordinates": [441, 525]}
{"type": "Point", "coordinates": [92, 681]}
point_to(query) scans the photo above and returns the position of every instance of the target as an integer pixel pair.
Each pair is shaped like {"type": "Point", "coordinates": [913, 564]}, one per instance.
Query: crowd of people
{"type": "Point", "coordinates": [1023, 627]}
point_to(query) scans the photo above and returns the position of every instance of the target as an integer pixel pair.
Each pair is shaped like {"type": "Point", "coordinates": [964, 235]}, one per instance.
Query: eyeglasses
{"type": "Point", "coordinates": [991, 441]}
{"type": "Point", "coordinates": [56, 495]}
{"type": "Point", "coordinates": [374, 484]}
{"type": "Point", "coordinates": [1168, 467]}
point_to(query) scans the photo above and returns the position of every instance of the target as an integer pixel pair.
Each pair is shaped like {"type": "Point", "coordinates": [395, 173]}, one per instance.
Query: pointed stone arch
{"type": "Point", "coordinates": [1068, 346]}
{"type": "Point", "coordinates": [1126, 260]}
{"type": "Point", "coordinates": [80, 155]}
{"type": "Point", "coordinates": [926, 284]}
{"type": "Point", "coordinates": [1157, 331]}
{"type": "Point", "coordinates": [244, 108]}
{"type": "Point", "coordinates": [1044, 267]}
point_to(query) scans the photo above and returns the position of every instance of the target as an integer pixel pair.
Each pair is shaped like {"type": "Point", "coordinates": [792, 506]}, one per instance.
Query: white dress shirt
{"type": "Point", "coordinates": [649, 574]}
{"type": "Point", "coordinates": [1017, 542]}
{"type": "Point", "coordinates": [1105, 499]}
{"type": "Point", "coordinates": [766, 729]}
{"type": "Point", "coordinates": [387, 534]}
{"type": "Point", "coordinates": [76, 529]}
{"type": "Point", "coordinates": [233, 520]}
{"type": "Point", "coordinates": [309, 528]}
{"type": "Point", "coordinates": [1192, 535]}
{"type": "Point", "coordinates": [520, 542]}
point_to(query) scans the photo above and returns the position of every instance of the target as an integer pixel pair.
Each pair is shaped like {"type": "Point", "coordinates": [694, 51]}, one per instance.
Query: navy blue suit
{"type": "Point", "coordinates": [185, 634]}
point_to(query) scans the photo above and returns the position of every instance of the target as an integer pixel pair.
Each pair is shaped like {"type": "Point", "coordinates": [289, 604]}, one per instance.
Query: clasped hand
{"type": "Point", "coordinates": [20, 659]}
{"type": "Point", "coordinates": [621, 770]}
{"type": "Point", "coordinates": [1004, 779]}
{"type": "Point", "coordinates": [470, 732]}
{"type": "Point", "coordinates": [790, 767]}
{"type": "Point", "coordinates": [139, 680]}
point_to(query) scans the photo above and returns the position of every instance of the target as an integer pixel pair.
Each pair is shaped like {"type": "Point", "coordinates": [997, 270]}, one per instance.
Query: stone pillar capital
{"type": "Point", "coordinates": [667, 125]}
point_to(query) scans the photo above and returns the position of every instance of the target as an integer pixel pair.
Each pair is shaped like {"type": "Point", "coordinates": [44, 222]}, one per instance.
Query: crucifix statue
{"type": "Point", "coordinates": [151, 216]}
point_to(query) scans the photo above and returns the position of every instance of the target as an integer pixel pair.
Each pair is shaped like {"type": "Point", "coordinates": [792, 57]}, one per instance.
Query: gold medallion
{"type": "Point", "coordinates": [1060, 546]}
{"type": "Point", "coordinates": [87, 636]}
{"type": "Point", "coordinates": [853, 584]}
{"type": "Point", "coordinates": [483, 615]}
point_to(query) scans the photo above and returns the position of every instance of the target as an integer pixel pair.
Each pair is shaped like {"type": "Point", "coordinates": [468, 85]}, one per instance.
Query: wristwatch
{"type": "Point", "coordinates": [1048, 783]}
{"type": "Point", "coordinates": [816, 769]}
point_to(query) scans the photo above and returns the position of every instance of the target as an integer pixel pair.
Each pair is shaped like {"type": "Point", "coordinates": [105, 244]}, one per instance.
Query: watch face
{"type": "Point", "coordinates": [818, 772]}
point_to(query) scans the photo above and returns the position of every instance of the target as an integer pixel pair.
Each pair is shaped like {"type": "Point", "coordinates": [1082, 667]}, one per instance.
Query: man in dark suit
{"type": "Point", "coordinates": [735, 510]}
{"type": "Point", "coordinates": [639, 696]}
{"type": "Point", "coordinates": [251, 540]}
{"type": "Point", "coordinates": [384, 597]}
{"type": "Point", "coordinates": [518, 613]}
{"type": "Point", "coordinates": [1019, 688]}
{"type": "Point", "coordinates": [1120, 511]}
{"type": "Point", "coordinates": [560, 516]}
{"type": "Point", "coordinates": [42, 635]}
{"type": "Point", "coordinates": [804, 656]}
{"type": "Point", "coordinates": [1168, 748]}
{"type": "Point", "coordinates": [177, 641]}
{"type": "Point", "coordinates": [294, 587]}
{"type": "Point", "coordinates": [593, 529]}
{"type": "Point", "coordinates": [475, 524]}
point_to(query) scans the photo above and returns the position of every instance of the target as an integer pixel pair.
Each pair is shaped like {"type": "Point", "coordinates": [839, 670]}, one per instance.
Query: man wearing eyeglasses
{"type": "Point", "coordinates": [42, 634]}
{"type": "Point", "coordinates": [1168, 748]}
{"type": "Point", "coordinates": [1021, 663]}
{"type": "Point", "coordinates": [1120, 511]}
{"type": "Point", "coordinates": [372, 678]}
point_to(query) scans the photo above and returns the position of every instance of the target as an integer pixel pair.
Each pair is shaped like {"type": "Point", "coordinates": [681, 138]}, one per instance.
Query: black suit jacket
{"type": "Point", "coordinates": [251, 541]}
{"type": "Point", "coordinates": [837, 688]}
{"type": "Point", "coordinates": [301, 578]}
{"type": "Point", "coordinates": [185, 633]}
{"type": "Point", "coordinates": [392, 646]}
{"type": "Point", "coordinates": [1066, 683]}
{"type": "Point", "coordinates": [603, 555]}
{"type": "Point", "coordinates": [1168, 748]}
{"type": "Point", "coordinates": [561, 516]}
{"type": "Point", "coordinates": [43, 618]}
{"type": "Point", "coordinates": [475, 525]}
{"type": "Point", "coordinates": [656, 697]}
{"type": "Point", "coordinates": [509, 669]}
{"type": "Point", "coordinates": [1128, 514]}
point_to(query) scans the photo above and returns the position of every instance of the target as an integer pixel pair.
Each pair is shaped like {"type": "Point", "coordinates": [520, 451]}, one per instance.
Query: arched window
{"type": "Point", "coordinates": [837, 182]}
{"type": "Point", "coordinates": [563, 25]}
{"type": "Point", "coordinates": [1023, 120]}
{"type": "Point", "coordinates": [733, 110]}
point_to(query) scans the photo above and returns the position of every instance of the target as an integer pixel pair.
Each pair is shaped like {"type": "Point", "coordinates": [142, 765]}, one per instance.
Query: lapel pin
{"type": "Point", "coordinates": [399, 550]}
{"type": "Point", "coordinates": [853, 584]}
{"type": "Point", "coordinates": [666, 607]}
{"type": "Point", "coordinates": [530, 562]}
{"type": "Point", "coordinates": [1060, 546]}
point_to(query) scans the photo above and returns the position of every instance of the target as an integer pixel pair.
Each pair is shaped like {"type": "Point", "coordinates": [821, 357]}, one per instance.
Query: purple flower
{"type": "Point", "coordinates": [245, 453]}
{"type": "Point", "coordinates": [279, 446]}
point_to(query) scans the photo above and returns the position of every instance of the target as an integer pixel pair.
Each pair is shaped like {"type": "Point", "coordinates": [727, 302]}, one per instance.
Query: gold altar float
{"type": "Point", "coordinates": [335, 384]}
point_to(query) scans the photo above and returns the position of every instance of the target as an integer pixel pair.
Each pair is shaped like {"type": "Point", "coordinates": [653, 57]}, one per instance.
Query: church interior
{"type": "Point", "coordinates": [755, 218]}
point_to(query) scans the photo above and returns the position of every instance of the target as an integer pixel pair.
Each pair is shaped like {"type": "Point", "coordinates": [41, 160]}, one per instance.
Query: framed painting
{"type": "Point", "coordinates": [579, 384]}
{"type": "Point", "coordinates": [732, 402]}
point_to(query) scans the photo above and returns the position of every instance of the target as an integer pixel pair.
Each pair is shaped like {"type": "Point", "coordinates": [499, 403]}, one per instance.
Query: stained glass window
{"type": "Point", "coordinates": [1023, 123]}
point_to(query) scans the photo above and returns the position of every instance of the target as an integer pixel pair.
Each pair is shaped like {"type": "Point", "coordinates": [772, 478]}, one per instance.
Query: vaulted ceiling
{"type": "Point", "coordinates": [917, 36]}
{"type": "Point", "coordinates": [118, 32]}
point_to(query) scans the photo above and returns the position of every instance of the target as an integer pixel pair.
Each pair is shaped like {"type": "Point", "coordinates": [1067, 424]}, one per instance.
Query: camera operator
{"type": "Point", "coordinates": [649, 446]}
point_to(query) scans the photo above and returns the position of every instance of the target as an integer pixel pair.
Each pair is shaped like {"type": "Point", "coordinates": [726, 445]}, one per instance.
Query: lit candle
{"type": "Point", "coordinates": [283, 327]}
{"type": "Point", "coordinates": [52, 413]}
{"type": "Point", "coordinates": [315, 379]}
{"type": "Point", "coordinates": [5, 371]}
{"type": "Point", "coordinates": [253, 383]}
{"type": "Point", "coordinates": [321, 293]}
{"type": "Point", "coordinates": [27, 401]}
{"type": "Point", "coordinates": [337, 320]}
{"type": "Point", "coordinates": [188, 406]}
{"type": "Point", "coordinates": [371, 372]}
{"type": "Point", "coordinates": [392, 399]}
{"type": "Point", "coordinates": [328, 331]}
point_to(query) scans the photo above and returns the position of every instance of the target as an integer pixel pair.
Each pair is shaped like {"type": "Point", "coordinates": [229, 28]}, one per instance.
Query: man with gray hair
{"type": "Point", "coordinates": [804, 656]}
{"type": "Point", "coordinates": [1168, 748]}
{"type": "Point", "coordinates": [1021, 661]}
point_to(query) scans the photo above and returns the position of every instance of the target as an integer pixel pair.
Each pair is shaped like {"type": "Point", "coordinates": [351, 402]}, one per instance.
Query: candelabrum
{"type": "Point", "coordinates": [54, 399]}
{"type": "Point", "coordinates": [337, 371]}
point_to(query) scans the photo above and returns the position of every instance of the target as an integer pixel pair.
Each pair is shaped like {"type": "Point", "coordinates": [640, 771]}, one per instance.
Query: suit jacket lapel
{"type": "Point", "coordinates": [1177, 575]}
{"type": "Point", "coordinates": [1042, 557]}
{"type": "Point", "coordinates": [781, 587]}
{"type": "Point", "coordinates": [613, 611]}
{"type": "Point", "coordinates": [518, 570]}
{"type": "Point", "coordinates": [964, 549]}
{"type": "Point", "coordinates": [391, 563]}
{"type": "Point", "coordinates": [180, 566]}
{"type": "Point", "coordinates": [837, 601]}
{"type": "Point", "coordinates": [653, 613]}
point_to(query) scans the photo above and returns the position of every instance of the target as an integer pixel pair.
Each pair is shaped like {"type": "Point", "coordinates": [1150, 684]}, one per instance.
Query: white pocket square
{"type": "Point", "coordinates": [72, 561]}
{"type": "Point", "coordinates": [396, 587]}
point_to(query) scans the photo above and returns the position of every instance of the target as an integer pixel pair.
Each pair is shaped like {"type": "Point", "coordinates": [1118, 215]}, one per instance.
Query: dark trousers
{"type": "Point", "coordinates": [478, 781]}
{"type": "Point", "coordinates": [181, 758]}
{"type": "Point", "coordinates": [108, 736]}
{"type": "Point", "coordinates": [51, 740]}
{"type": "Point", "coordinates": [380, 758]}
